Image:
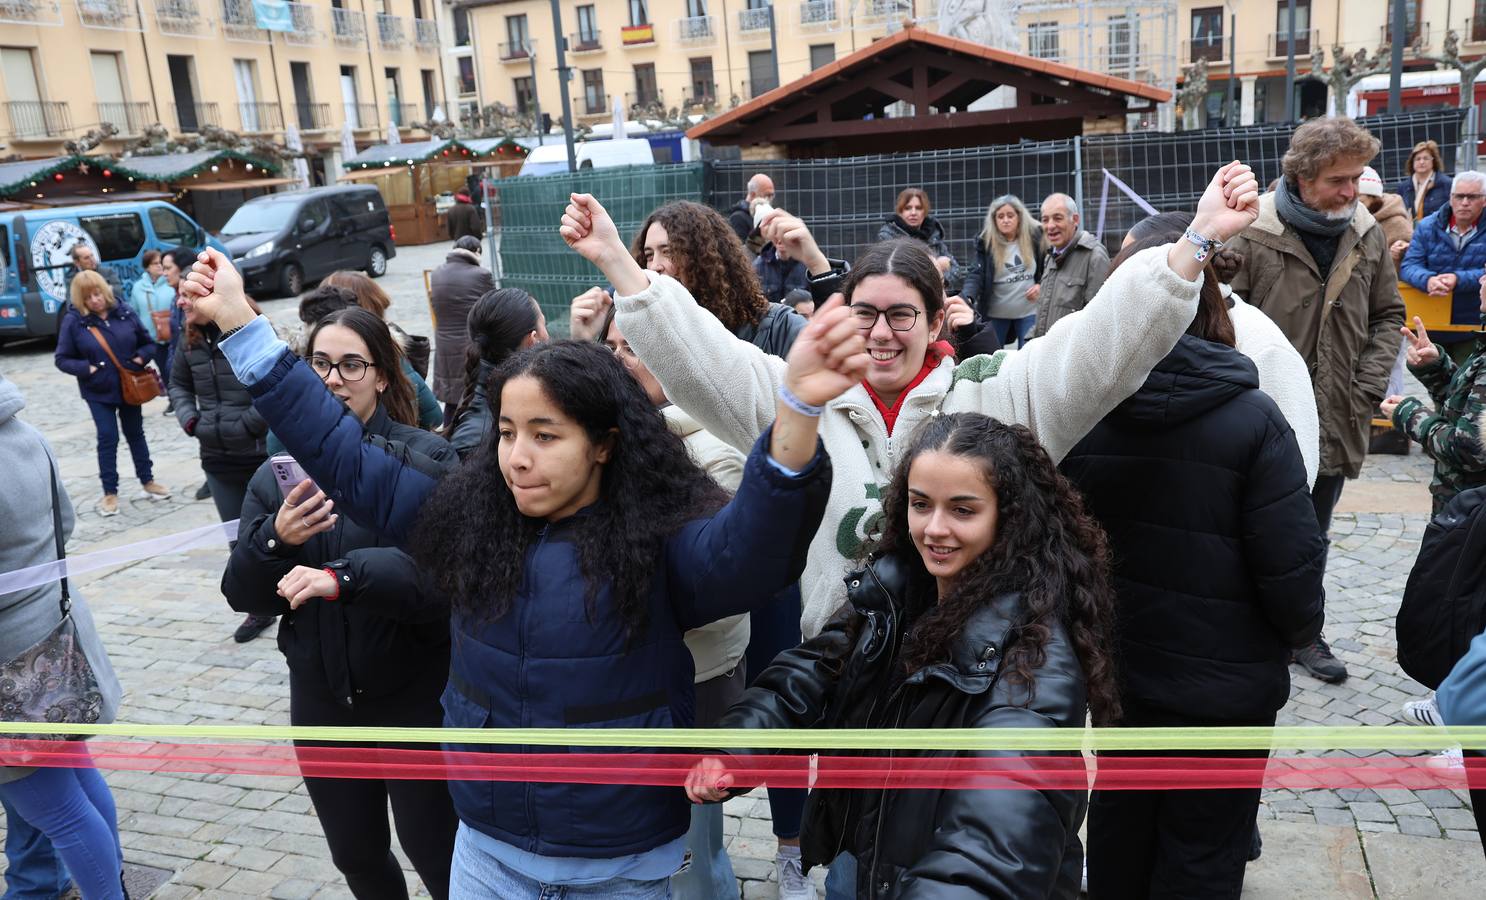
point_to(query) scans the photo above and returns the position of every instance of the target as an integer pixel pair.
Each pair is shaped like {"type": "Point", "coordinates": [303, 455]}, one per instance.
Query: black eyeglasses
{"type": "Point", "coordinates": [351, 370]}
{"type": "Point", "coordinates": [899, 318]}
{"type": "Point", "coordinates": [1468, 198]}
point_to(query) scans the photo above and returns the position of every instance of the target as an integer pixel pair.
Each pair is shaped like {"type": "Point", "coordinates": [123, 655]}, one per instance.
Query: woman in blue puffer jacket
{"type": "Point", "coordinates": [575, 549]}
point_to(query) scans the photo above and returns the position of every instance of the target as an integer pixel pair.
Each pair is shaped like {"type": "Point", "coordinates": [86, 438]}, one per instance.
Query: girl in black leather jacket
{"type": "Point", "coordinates": [987, 605]}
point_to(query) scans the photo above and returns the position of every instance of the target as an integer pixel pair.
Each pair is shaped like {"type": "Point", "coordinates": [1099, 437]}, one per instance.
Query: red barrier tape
{"type": "Point", "coordinates": [780, 771]}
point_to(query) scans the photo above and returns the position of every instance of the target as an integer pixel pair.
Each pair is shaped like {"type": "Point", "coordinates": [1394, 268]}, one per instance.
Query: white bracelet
{"type": "Point", "coordinates": [798, 405]}
{"type": "Point", "coordinates": [1205, 245]}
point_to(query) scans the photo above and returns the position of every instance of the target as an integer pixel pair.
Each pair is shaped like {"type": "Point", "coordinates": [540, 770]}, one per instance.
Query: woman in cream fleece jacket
{"type": "Point", "coordinates": [1060, 385]}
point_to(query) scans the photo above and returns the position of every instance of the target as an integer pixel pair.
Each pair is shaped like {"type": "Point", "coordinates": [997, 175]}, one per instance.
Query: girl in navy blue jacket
{"type": "Point", "coordinates": [80, 353]}
{"type": "Point", "coordinates": [575, 548]}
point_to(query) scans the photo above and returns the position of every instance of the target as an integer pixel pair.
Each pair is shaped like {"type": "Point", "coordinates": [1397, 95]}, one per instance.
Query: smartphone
{"type": "Point", "coordinates": [287, 472]}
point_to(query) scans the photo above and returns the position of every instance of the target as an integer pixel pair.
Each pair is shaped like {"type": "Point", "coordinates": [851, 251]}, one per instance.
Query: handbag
{"type": "Point", "coordinates": [52, 680]}
{"type": "Point", "coordinates": [161, 318]}
{"type": "Point", "coordinates": [138, 386]}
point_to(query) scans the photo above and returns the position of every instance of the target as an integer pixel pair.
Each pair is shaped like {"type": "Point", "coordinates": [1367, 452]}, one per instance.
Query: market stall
{"type": "Point", "coordinates": [207, 184]}
{"type": "Point", "coordinates": [418, 180]}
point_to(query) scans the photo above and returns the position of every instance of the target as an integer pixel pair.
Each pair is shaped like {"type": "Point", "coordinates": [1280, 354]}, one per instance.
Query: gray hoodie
{"type": "Point", "coordinates": [28, 538]}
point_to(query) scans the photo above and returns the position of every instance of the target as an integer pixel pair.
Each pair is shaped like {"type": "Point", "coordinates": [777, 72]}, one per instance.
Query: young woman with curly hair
{"type": "Point", "coordinates": [986, 605]}
{"type": "Point", "coordinates": [572, 550]}
{"type": "Point", "coordinates": [1218, 559]}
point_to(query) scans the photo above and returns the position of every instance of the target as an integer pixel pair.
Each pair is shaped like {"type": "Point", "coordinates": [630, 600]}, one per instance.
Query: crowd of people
{"type": "Point", "coordinates": [762, 487]}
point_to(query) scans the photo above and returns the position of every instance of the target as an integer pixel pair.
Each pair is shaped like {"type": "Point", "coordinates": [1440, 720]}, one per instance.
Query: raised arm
{"type": "Point", "coordinates": [1063, 383]}
{"type": "Point", "coordinates": [726, 384]}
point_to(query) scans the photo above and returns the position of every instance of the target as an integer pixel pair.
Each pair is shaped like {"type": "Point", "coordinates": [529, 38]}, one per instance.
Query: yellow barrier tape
{"type": "Point", "coordinates": [1363, 737]}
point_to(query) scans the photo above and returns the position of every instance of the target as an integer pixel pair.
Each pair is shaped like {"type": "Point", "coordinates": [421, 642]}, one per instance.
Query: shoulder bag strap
{"type": "Point", "coordinates": [57, 527]}
{"type": "Point", "coordinates": [98, 335]}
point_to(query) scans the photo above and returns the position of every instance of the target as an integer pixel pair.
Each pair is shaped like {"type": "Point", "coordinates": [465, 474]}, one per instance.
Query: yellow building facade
{"type": "Point", "coordinates": [68, 65]}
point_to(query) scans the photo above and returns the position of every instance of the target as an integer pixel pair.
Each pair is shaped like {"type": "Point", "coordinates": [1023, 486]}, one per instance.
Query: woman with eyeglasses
{"type": "Point", "coordinates": [373, 654]}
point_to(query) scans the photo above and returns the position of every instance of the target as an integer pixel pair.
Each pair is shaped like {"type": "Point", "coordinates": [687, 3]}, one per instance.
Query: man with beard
{"type": "Point", "coordinates": [1317, 262]}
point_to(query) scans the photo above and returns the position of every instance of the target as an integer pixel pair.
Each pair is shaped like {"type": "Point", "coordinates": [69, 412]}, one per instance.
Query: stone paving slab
{"type": "Point", "coordinates": [1405, 867]}
{"type": "Point", "coordinates": [169, 633]}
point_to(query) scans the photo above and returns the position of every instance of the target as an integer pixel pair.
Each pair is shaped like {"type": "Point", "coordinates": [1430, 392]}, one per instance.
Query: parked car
{"type": "Point", "coordinates": [36, 254]}
{"type": "Point", "coordinates": [283, 242]}
{"type": "Point", "coordinates": [552, 159]}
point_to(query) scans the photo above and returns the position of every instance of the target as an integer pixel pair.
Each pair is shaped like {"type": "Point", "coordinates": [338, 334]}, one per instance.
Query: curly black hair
{"type": "Point", "coordinates": [710, 262]}
{"type": "Point", "coordinates": [472, 539]}
{"type": "Point", "coordinates": [1047, 547]}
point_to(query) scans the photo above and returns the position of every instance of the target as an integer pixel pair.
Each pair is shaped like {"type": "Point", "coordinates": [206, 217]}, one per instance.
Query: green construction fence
{"type": "Point", "coordinates": [532, 254]}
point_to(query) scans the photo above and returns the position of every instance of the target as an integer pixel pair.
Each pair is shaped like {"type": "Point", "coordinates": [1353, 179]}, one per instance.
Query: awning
{"type": "Point", "coordinates": [245, 184]}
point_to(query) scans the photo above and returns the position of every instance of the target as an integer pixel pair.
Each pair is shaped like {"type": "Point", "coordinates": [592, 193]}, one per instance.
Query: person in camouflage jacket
{"type": "Point", "coordinates": [1451, 433]}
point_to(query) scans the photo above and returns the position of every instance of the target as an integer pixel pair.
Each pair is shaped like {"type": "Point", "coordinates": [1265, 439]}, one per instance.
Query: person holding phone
{"type": "Point", "coordinates": [213, 407]}
{"type": "Point", "coordinates": [370, 653]}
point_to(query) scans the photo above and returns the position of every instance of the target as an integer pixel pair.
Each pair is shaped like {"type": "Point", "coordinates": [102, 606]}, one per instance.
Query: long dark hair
{"type": "Point", "coordinates": [710, 260]}
{"type": "Point", "coordinates": [1212, 322]}
{"type": "Point", "coordinates": [472, 539]}
{"type": "Point", "coordinates": [386, 358]}
{"type": "Point", "coordinates": [1047, 547]}
{"type": "Point", "coordinates": [906, 258]}
{"type": "Point", "coordinates": [498, 322]}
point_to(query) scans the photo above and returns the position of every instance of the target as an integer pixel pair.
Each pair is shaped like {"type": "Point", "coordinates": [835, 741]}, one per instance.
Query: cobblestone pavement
{"type": "Point", "coordinates": [169, 633]}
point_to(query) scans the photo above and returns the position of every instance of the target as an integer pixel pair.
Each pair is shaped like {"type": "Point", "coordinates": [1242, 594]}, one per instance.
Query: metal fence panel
{"type": "Point", "coordinates": [532, 254]}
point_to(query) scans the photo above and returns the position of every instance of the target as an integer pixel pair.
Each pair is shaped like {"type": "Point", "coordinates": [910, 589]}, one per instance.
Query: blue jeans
{"type": "Point", "coordinates": [476, 874]}
{"type": "Point", "coordinates": [75, 810]}
{"type": "Point", "coordinates": [841, 878]}
{"type": "Point", "coordinates": [775, 627]}
{"type": "Point", "coordinates": [32, 869]}
{"type": "Point", "coordinates": [106, 419]}
{"type": "Point", "coordinates": [1022, 328]}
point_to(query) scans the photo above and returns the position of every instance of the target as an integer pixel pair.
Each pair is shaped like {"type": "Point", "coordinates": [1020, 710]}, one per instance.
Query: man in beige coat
{"type": "Point", "coordinates": [1318, 264]}
{"type": "Point", "coordinates": [1076, 267]}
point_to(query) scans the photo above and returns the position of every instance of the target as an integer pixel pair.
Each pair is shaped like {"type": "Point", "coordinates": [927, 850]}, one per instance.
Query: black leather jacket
{"type": "Point", "coordinates": [928, 843]}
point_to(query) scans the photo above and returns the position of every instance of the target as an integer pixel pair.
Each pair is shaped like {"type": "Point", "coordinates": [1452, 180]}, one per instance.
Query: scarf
{"type": "Point", "coordinates": [1419, 193]}
{"type": "Point", "coordinates": [937, 352]}
{"type": "Point", "coordinates": [1304, 219]}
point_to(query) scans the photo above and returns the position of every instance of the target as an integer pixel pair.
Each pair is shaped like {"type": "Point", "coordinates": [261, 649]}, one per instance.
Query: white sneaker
{"type": "Point", "coordinates": [1422, 712]}
{"type": "Point", "coordinates": [793, 885]}
{"type": "Point", "coordinates": [1448, 759]}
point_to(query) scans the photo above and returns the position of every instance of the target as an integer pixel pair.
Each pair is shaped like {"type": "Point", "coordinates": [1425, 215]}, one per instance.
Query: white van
{"type": "Point", "coordinates": [552, 159]}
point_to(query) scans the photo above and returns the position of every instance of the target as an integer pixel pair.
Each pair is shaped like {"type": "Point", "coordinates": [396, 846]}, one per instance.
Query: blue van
{"type": "Point", "coordinates": [36, 254]}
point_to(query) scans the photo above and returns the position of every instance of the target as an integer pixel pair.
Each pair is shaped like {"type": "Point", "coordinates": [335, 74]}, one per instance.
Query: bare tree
{"type": "Point", "coordinates": [1449, 58]}
{"type": "Point", "coordinates": [1347, 71]}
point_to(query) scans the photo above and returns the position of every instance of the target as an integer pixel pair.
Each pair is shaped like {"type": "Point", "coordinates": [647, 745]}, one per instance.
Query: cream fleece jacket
{"type": "Point", "coordinates": [1282, 375]}
{"type": "Point", "coordinates": [1059, 385]}
{"type": "Point", "coordinates": [715, 648]}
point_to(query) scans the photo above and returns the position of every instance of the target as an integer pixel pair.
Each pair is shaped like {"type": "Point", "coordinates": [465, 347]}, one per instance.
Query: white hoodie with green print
{"type": "Point", "coordinates": [1059, 385]}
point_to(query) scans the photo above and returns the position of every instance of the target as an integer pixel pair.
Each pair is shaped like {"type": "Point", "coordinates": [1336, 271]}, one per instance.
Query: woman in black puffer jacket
{"type": "Point", "coordinates": [987, 606]}
{"type": "Point", "coordinates": [1199, 482]}
{"type": "Point", "coordinates": [373, 654]}
{"type": "Point", "coordinates": [214, 407]}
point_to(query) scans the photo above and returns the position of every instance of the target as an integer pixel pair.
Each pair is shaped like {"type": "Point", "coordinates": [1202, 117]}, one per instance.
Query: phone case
{"type": "Point", "coordinates": [287, 472]}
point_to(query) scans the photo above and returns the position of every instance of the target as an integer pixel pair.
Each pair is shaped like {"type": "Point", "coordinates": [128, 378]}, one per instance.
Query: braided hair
{"type": "Point", "coordinates": [498, 323]}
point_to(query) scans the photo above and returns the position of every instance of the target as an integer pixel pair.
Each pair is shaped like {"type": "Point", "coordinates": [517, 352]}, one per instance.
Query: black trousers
{"type": "Point", "coordinates": [1175, 843]}
{"type": "Point", "coordinates": [353, 811]}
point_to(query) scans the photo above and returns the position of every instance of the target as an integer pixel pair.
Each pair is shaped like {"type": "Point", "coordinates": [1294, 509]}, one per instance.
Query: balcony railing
{"type": "Point", "coordinates": [260, 117]}
{"type": "Point", "coordinates": [240, 23]}
{"type": "Point", "coordinates": [402, 114]}
{"type": "Point", "coordinates": [595, 103]}
{"type": "Point", "coordinates": [390, 30]}
{"type": "Point", "coordinates": [819, 13]}
{"type": "Point", "coordinates": [426, 34]}
{"type": "Point", "coordinates": [129, 118]}
{"type": "Point", "coordinates": [515, 50]}
{"type": "Point", "coordinates": [1213, 49]}
{"type": "Point", "coordinates": [30, 12]}
{"type": "Point", "coordinates": [312, 116]}
{"type": "Point", "coordinates": [754, 20]}
{"type": "Point", "coordinates": [642, 100]}
{"type": "Point", "coordinates": [697, 31]}
{"type": "Point", "coordinates": [1418, 35]}
{"type": "Point", "coordinates": [38, 118]}
{"type": "Point", "coordinates": [585, 42]}
{"type": "Point", "coordinates": [1279, 43]}
{"type": "Point", "coordinates": [306, 29]}
{"type": "Point", "coordinates": [179, 17]}
{"type": "Point", "coordinates": [698, 96]}
{"type": "Point", "coordinates": [190, 117]}
{"type": "Point", "coordinates": [348, 26]}
{"type": "Point", "coordinates": [362, 116]}
{"type": "Point", "coordinates": [878, 10]}
{"type": "Point", "coordinates": [112, 15]}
